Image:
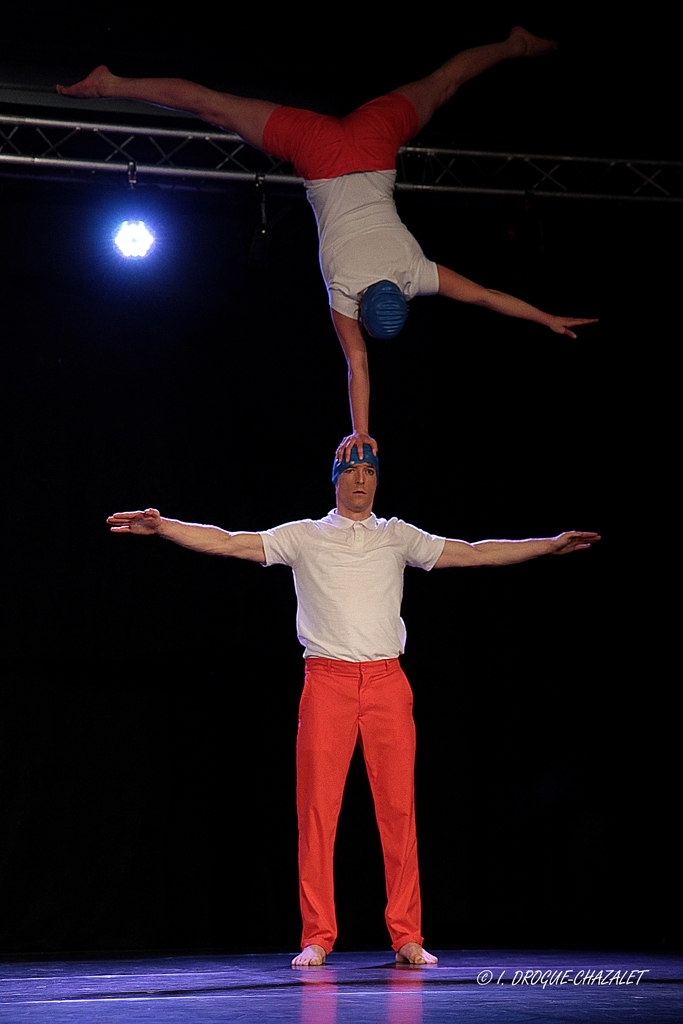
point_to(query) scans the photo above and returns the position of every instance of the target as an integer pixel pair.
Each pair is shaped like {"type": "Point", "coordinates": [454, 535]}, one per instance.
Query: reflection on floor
{"type": "Point", "coordinates": [363, 988]}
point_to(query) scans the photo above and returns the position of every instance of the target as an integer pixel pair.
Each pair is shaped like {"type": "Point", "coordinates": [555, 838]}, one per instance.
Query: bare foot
{"type": "Point", "coordinates": [98, 83]}
{"type": "Point", "coordinates": [311, 956]}
{"type": "Point", "coordinates": [533, 46]}
{"type": "Point", "coordinates": [413, 953]}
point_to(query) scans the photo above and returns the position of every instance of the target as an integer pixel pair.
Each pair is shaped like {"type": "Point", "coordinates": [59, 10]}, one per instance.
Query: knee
{"type": "Point", "coordinates": [445, 86]}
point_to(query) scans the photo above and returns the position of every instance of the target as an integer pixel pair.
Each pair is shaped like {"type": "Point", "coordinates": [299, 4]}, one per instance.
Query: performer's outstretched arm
{"type": "Point", "coordinates": [455, 286]}
{"type": "Point", "coordinates": [460, 554]}
{"type": "Point", "coordinates": [353, 343]}
{"type": "Point", "coordinates": [210, 540]}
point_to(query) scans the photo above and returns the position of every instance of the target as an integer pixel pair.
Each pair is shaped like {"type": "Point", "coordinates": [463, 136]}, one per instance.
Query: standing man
{"type": "Point", "coordinates": [371, 263]}
{"type": "Point", "coordinates": [348, 571]}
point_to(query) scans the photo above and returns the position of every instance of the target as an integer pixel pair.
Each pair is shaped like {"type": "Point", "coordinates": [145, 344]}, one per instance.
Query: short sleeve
{"type": "Point", "coordinates": [283, 543]}
{"type": "Point", "coordinates": [422, 549]}
{"type": "Point", "coordinates": [343, 304]}
{"type": "Point", "coordinates": [424, 278]}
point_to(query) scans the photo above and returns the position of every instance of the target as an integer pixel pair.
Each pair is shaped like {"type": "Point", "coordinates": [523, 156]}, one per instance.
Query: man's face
{"type": "Point", "coordinates": [356, 488]}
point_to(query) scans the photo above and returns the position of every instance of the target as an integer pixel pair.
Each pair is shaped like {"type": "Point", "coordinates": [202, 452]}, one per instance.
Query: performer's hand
{"type": "Point", "coordinates": [144, 523]}
{"type": "Point", "coordinates": [561, 324]}
{"type": "Point", "coordinates": [573, 540]}
{"type": "Point", "coordinates": [357, 440]}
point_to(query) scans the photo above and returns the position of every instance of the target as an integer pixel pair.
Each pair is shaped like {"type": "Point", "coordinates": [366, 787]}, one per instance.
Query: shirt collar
{"type": "Point", "coordinates": [344, 523]}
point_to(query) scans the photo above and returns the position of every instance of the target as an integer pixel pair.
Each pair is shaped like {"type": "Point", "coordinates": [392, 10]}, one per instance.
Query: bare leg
{"type": "Point", "coordinates": [430, 93]}
{"type": "Point", "coordinates": [245, 116]}
{"type": "Point", "coordinates": [413, 953]}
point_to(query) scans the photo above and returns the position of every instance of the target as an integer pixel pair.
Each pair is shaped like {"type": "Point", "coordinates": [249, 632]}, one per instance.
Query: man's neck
{"type": "Point", "coordinates": [356, 516]}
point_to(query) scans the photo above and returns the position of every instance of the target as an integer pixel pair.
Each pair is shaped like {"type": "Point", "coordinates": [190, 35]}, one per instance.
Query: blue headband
{"type": "Point", "coordinates": [368, 457]}
{"type": "Point", "coordinates": [383, 310]}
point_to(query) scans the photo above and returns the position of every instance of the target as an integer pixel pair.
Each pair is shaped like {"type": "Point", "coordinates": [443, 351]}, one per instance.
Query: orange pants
{"type": "Point", "coordinates": [343, 701]}
{"type": "Point", "coordinates": [321, 146]}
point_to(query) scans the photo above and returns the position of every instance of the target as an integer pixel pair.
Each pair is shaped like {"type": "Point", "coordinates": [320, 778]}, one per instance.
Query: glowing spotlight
{"type": "Point", "coordinates": [133, 239]}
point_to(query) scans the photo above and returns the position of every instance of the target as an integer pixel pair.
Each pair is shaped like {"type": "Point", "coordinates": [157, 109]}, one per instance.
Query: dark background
{"type": "Point", "coordinates": [149, 705]}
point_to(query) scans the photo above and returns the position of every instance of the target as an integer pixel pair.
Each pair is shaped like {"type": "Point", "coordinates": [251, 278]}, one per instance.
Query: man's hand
{"type": "Point", "coordinates": [561, 324]}
{"type": "Point", "coordinates": [144, 523]}
{"type": "Point", "coordinates": [573, 540]}
{"type": "Point", "coordinates": [355, 440]}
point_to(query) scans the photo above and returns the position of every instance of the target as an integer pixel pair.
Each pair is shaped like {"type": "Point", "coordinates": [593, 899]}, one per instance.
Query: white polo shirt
{"type": "Point", "coordinates": [348, 577]}
{"type": "Point", "coordinates": [363, 240]}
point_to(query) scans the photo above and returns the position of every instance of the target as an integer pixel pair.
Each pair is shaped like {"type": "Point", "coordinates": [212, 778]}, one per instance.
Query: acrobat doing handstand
{"type": "Point", "coordinates": [370, 261]}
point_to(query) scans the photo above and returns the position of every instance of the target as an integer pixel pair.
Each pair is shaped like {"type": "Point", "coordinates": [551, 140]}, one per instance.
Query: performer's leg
{"type": "Point", "coordinates": [328, 730]}
{"type": "Point", "coordinates": [388, 737]}
{"type": "Point", "coordinates": [239, 114]}
{"type": "Point", "coordinates": [430, 93]}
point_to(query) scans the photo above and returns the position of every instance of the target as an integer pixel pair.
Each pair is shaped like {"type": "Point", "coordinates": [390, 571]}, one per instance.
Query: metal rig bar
{"type": "Point", "coordinates": [158, 154]}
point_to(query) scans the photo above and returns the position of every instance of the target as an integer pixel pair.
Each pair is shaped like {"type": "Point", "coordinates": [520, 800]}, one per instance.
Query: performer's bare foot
{"type": "Point", "coordinates": [311, 956]}
{"type": "Point", "coordinates": [530, 45]}
{"type": "Point", "coordinates": [99, 83]}
{"type": "Point", "coordinates": [413, 953]}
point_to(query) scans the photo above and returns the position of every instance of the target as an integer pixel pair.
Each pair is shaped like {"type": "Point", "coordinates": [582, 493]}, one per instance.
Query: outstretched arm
{"type": "Point", "coordinates": [455, 286]}
{"type": "Point", "coordinates": [210, 540]}
{"type": "Point", "coordinates": [460, 554]}
{"type": "Point", "coordinates": [352, 342]}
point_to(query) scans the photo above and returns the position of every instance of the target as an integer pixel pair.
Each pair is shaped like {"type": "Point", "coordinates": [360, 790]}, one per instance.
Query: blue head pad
{"type": "Point", "coordinates": [383, 310]}
{"type": "Point", "coordinates": [339, 467]}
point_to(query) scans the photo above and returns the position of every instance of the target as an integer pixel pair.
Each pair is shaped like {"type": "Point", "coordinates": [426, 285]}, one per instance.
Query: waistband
{"type": "Point", "coordinates": [332, 664]}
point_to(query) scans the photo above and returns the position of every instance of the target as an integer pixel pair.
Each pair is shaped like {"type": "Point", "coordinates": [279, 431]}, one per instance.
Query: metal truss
{"type": "Point", "coordinates": [81, 150]}
{"type": "Point", "coordinates": [524, 174]}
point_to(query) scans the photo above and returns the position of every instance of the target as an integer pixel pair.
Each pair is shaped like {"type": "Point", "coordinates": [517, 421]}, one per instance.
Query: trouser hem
{"type": "Point", "coordinates": [408, 938]}
{"type": "Point", "coordinates": [316, 941]}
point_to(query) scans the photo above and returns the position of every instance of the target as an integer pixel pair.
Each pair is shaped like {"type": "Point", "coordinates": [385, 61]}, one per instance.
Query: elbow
{"type": "Point", "coordinates": [484, 298]}
{"type": "Point", "coordinates": [357, 365]}
{"type": "Point", "coordinates": [476, 559]}
{"type": "Point", "coordinates": [226, 546]}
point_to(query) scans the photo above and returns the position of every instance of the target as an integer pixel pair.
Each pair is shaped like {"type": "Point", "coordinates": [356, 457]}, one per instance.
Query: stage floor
{"type": "Point", "coordinates": [364, 988]}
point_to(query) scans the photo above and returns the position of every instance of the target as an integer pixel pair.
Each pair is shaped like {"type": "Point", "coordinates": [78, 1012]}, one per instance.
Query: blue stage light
{"type": "Point", "coordinates": [133, 239]}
